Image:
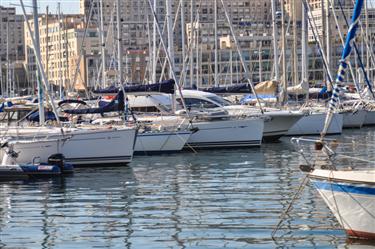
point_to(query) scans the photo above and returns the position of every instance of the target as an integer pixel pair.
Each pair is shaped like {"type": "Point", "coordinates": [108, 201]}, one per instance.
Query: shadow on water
{"type": "Point", "coordinates": [212, 199]}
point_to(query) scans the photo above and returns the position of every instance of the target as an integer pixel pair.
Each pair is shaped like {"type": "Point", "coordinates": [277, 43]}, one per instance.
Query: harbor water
{"type": "Point", "coordinates": [211, 199]}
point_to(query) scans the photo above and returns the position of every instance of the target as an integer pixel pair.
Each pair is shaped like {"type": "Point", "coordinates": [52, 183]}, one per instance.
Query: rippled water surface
{"type": "Point", "coordinates": [213, 199]}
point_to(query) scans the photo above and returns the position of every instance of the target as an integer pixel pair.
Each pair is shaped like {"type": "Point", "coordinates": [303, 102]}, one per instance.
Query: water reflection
{"type": "Point", "coordinates": [230, 198]}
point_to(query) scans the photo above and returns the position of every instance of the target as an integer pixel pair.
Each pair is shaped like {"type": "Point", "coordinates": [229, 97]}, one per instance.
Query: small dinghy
{"type": "Point", "coordinates": [56, 166]}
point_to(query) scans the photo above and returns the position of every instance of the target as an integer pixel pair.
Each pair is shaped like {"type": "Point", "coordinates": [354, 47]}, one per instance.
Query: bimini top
{"type": "Point", "coordinates": [162, 87]}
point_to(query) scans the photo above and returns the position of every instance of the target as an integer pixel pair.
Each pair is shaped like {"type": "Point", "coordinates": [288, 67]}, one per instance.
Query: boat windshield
{"type": "Point", "coordinates": [220, 100]}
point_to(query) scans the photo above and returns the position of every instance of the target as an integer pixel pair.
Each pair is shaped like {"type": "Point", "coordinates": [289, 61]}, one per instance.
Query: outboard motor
{"type": "Point", "coordinates": [58, 160]}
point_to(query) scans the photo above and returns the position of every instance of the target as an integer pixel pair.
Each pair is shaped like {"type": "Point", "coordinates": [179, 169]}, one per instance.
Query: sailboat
{"type": "Point", "coordinates": [80, 146]}
{"type": "Point", "coordinates": [350, 194]}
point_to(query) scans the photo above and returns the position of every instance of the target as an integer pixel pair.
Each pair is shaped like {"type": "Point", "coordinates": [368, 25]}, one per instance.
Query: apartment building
{"type": "Point", "coordinates": [12, 73]}
{"type": "Point", "coordinates": [11, 35]}
{"type": "Point", "coordinates": [249, 17]}
{"type": "Point", "coordinates": [70, 58]}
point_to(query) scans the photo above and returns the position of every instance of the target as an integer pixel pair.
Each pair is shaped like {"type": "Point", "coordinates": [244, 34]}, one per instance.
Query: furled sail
{"type": "Point", "coordinates": [231, 89]}
{"type": "Point", "coordinates": [343, 64]}
{"type": "Point", "coordinates": [162, 87]}
{"type": "Point", "coordinates": [301, 88]}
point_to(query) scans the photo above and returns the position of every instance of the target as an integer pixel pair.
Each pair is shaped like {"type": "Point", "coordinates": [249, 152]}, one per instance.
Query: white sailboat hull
{"type": "Point", "coordinates": [227, 133]}
{"type": "Point", "coordinates": [350, 197]}
{"type": "Point", "coordinates": [82, 148]}
{"type": "Point", "coordinates": [370, 118]}
{"type": "Point", "coordinates": [313, 125]}
{"type": "Point", "coordinates": [161, 142]}
{"type": "Point", "coordinates": [354, 119]}
{"type": "Point", "coordinates": [279, 124]}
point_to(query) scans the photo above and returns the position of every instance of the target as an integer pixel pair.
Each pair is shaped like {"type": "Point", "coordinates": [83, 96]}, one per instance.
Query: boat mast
{"type": "Point", "coordinates": [119, 43]}
{"type": "Point", "coordinates": [47, 41]}
{"type": "Point", "coordinates": [170, 36]}
{"type": "Point", "coordinates": [102, 40]}
{"type": "Point", "coordinates": [37, 52]}
{"type": "Point", "coordinates": [39, 64]}
{"type": "Point", "coordinates": [328, 34]}
{"type": "Point", "coordinates": [275, 41]}
{"type": "Point", "coordinates": [183, 34]}
{"type": "Point", "coordinates": [246, 70]}
{"type": "Point", "coordinates": [216, 80]}
{"type": "Point", "coordinates": [154, 44]}
{"type": "Point", "coordinates": [295, 57]}
{"type": "Point", "coordinates": [305, 58]}
{"type": "Point", "coordinates": [7, 58]}
{"type": "Point", "coordinates": [351, 70]}
{"type": "Point", "coordinates": [191, 43]}
{"type": "Point", "coordinates": [66, 50]}
{"type": "Point", "coordinates": [197, 50]}
{"type": "Point", "coordinates": [343, 65]}
{"type": "Point", "coordinates": [60, 52]}
{"type": "Point", "coordinates": [1, 78]}
{"type": "Point", "coordinates": [174, 77]}
{"type": "Point", "coordinates": [283, 49]}
{"type": "Point", "coordinates": [367, 40]}
{"type": "Point", "coordinates": [304, 46]}
{"type": "Point", "coordinates": [260, 61]}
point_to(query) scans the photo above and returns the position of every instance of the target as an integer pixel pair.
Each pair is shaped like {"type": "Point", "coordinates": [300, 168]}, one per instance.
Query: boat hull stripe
{"type": "Point", "coordinates": [362, 190]}
{"type": "Point", "coordinates": [359, 234]}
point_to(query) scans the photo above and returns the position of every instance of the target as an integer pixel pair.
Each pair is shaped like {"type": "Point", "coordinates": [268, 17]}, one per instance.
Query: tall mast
{"type": "Point", "coordinates": [7, 58]}
{"type": "Point", "coordinates": [304, 46]}
{"type": "Point", "coordinates": [191, 42]}
{"type": "Point", "coordinates": [295, 57]}
{"type": "Point", "coordinates": [40, 66]}
{"type": "Point", "coordinates": [343, 65]}
{"type": "Point", "coordinates": [260, 61]}
{"type": "Point", "coordinates": [119, 43]}
{"type": "Point", "coordinates": [242, 60]}
{"type": "Point", "coordinates": [328, 34]}
{"type": "Point", "coordinates": [170, 36]}
{"type": "Point", "coordinates": [216, 80]}
{"type": "Point", "coordinates": [66, 50]}
{"type": "Point", "coordinates": [305, 57]}
{"type": "Point", "coordinates": [47, 42]}
{"type": "Point", "coordinates": [367, 39]}
{"type": "Point", "coordinates": [283, 49]}
{"type": "Point", "coordinates": [1, 77]}
{"type": "Point", "coordinates": [102, 40]}
{"type": "Point", "coordinates": [197, 50]}
{"type": "Point", "coordinates": [60, 52]}
{"type": "Point", "coordinates": [1, 69]}
{"type": "Point", "coordinates": [154, 44]}
{"type": "Point", "coordinates": [37, 51]}
{"type": "Point", "coordinates": [275, 41]}
{"type": "Point", "coordinates": [183, 33]}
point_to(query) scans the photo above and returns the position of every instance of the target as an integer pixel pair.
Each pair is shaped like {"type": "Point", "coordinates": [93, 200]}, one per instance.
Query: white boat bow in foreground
{"type": "Point", "coordinates": [350, 195]}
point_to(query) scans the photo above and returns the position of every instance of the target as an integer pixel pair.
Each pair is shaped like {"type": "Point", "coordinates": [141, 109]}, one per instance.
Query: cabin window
{"type": "Point", "coordinates": [197, 103]}
{"type": "Point", "coordinates": [145, 109]}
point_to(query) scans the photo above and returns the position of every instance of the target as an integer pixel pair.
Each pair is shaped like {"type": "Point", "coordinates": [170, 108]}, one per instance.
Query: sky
{"type": "Point", "coordinates": [67, 6]}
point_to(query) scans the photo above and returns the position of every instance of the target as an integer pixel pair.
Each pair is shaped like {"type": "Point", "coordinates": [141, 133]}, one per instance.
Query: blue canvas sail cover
{"type": "Point", "coordinates": [162, 87]}
{"type": "Point", "coordinates": [71, 101]}
{"type": "Point", "coordinates": [5, 104]}
{"type": "Point", "coordinates": [117, 104]}
{"type": "Point", "coordinates": [48, 116]}
{"type": "Point", "coordinates": [237, 88]}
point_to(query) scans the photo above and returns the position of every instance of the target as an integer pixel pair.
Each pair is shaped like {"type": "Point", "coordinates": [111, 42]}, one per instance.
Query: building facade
{"type": "Point", "coordinates": [69, 56]}
{"type": "Point", "coordinates": [11, 51]}
{"type": "Point", "coordinates": [252, 22]}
